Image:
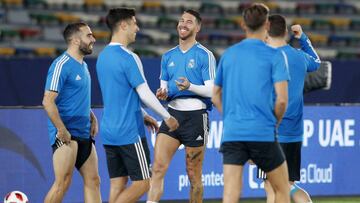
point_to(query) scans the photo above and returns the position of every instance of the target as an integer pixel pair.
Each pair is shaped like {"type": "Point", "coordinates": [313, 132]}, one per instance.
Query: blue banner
{"type": "Point", "coordinates": [330, 162]}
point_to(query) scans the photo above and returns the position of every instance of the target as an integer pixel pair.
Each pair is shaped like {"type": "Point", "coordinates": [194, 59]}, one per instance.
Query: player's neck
{"type": "Point", "coordinates": [75, 53]}
{"type": "Point", "coordinates": [119, 38]}
{"type": "Point", "coordinates": [276, 42]}
{"type": "Point", "coordinates": [256, 35]}
{"type": "Point", "coordinates": [186, 44]}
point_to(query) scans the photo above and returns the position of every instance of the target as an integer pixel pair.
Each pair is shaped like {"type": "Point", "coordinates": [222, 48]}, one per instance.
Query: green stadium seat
{"type": "Point", "coordinates": [211, 8]}
{"type": "Point", "coordinates": [9, 34]}
{"type": "Point", "coordinates": [226, 23]}
{"type": "Point", "coordinates": [44, 18]}
{"type": "Point", "coordinates": [325, 8]}
{"type": "Point", "coordinates": [321, 25]}
{"type": "Point", "coordinates": [167, 23]}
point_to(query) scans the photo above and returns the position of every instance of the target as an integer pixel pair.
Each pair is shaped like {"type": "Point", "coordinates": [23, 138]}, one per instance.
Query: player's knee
{"type": "Point", "coordinates": [92, 181]}
{"type": "Point", "coordinates": [159, 168]}
{"type": "Point", "coordinates": [143, 186]}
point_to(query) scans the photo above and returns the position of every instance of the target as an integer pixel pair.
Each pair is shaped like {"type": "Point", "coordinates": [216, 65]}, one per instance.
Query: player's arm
{"type": "Point", "coordinates": [281, 90]}
{"type": "Point", "coordinates": [201, 90]}
{"type": "Point", "coordinates": [149, 99]}
{"type": "Point", "coordinates": [53, 113]}
{"type": "Point", "coordinates": [150, 122]}
{"type": "Point", "coordinates": [162, 92]}
{"type": "Point", "coordinates": [94, 124]}
{"type": "Point", "coordinates": [217, 98]}
{"type": "Point", "coordinates": [312, 58]}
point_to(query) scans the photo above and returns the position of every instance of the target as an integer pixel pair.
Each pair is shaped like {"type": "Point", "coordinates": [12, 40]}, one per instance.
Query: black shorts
{"type": "Point", "coordinates": [83, 152]}
{"type": "Point", "coordinates": [131, 160]}
{"type": "Point", "coordinates": [193, 127]}
{"type": "Point", "coordinates": [266, 155]}
{"type": "Point", "coordinates": [292, 151]}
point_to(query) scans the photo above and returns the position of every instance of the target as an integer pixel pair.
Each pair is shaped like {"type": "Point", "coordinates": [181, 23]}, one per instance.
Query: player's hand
{"type": "Point", "coordinates": [64, 136]}
{"type": "Point", "coordinates": [182, 84]}
{"type": "Point", "coordinates": [297, 30]}
{"type": "Point", "coordinates": [94, 129]}
{"type": "Point", "coordinates": [161, 94]}
{"type": "Point", "coordinates": [151, 124]}
{"type": "Point", "coordinates": [172, 123]}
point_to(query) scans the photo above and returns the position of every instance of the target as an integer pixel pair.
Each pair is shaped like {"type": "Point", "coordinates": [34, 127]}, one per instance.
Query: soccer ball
{"type": "Point", "coordinates": [16, 197]}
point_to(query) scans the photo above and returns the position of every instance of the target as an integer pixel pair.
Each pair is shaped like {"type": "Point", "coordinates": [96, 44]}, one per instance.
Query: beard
{"type": "Point", "coordinates": [185, 37]}
{"type": "Point", "coordinates": [85, 48]}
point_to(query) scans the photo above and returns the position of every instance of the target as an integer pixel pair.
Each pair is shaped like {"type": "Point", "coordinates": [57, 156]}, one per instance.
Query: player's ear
{"type": "Point", "coordinates": [123, 25]}
{"type": "Point", "coordinates": [243, 25]}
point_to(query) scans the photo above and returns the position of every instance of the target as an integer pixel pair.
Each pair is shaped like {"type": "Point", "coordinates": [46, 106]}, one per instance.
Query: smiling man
{"type": "Point", "coordinates": [187, 77]}
{"type": "Point", "coordinates": [72, 124]}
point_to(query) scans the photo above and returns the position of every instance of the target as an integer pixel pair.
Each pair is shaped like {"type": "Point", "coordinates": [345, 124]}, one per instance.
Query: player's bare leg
{"type": "Point", "coordinates": [279, 180]}
{"type": "Point", "coordinates": [90, 173]}
{"type": "Point", "coordinates": [232, 183]}
{"type": "Point", "coordinates": [194, 162]}
{"type": "Point", "coordinates": [64, 160]}
{"type": "Point", "coordinates": [165, 148]}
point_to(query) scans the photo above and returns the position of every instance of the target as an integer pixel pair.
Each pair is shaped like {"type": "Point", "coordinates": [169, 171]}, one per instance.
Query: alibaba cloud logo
{"type": "Point", "coordinates": [12, 142]}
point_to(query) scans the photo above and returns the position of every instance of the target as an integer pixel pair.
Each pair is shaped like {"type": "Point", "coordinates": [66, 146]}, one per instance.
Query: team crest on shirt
{"type": "Point", "coordinates": [191, 63]}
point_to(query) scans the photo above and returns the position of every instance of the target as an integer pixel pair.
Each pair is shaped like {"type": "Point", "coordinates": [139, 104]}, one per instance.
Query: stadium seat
{"type": "Point", "coordinates": [147, 21]}
{"type": "Point", "coordinates": [354, 41]}
{"type": "Point", "coordinates": [318, 40]}
{"type": "Point", "coordinates": [66, 18]}
{"type": "Point", "coordinates": [55, 4]}
{"type": "Point", "coordinates": [340, 24]}
{"type": "Point", "coordinates": [29, 33]}
{"type": "Point", "coordinates": [219, 39]}
{"type": "Point", "coordinates": [9, 34]}
{"type": "Point", "coordinates": [325, 8]}
{"type": "Point", "coordinates": [89, 18]}
{"type": "Point", "coordinates": [35, 3]}
{"type": "Point", "coordinates": [273, 6]}
{"type": "Point", "coordinates": [287, 7]}
{"type": "Point", "coordinates": [53, 34]}
{"type": "Point", "coordinates": [305, 8]}
{"type": "Point", "coordinates": [321, 25]}
{"type": "Point", "coordinates": [24, 52]}
{"type": "Point", "coordinates": [229, 7]}
{"type": "Point", "coordinates": [345, 9]}
{"type": "Point", "coordinates": [12, 3]}
{"type": "Point", "coordinates": [304, 22]}
{"type": "Point", "coordinates": [338, 41]}
{"type": "Point", "coordinates": [211, 8]}
{"type": "Point", "coordinates": [171, 7]}
{"type": "Point", "coordinates": [157, 37]}
{"type": "Point", "coordinates": [45, 51]}
{"type": "Point", "coordinates": [167, 23]}
{"type": "Point", "coordinates": [152, 7]}
{"type": "Point", "coordinates": [101, 35]}
{"type": "Point", "coordinates": [7, 51]}
{"type": "Point", "coordinates": [18, 17]}
{"type": "Point", "coordinates": [44, 18]}
{"type": "Point", "coordinates": [226, 23]}
{"type": "Point", "coordinates": [94, 4]}
{"type": "Point", "coordinates": [355, 24]}
{"type": "Point", "coordinates": [208, 23]}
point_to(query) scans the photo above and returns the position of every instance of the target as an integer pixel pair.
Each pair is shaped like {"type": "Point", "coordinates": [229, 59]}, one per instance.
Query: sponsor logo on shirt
{"type": "Point", "coordinates": [78, 77]}
{"type": "Point", "coordinates": [171, 64]}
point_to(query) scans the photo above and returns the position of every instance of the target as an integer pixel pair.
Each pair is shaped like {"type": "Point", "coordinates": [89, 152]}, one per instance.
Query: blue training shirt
{"type": "Point", "coordinates": [300, 62]}
{"type": "Point", "coordinates": [119, 72]}
{"type": "Point", "coordinates": [247, 72]}
{"type": "Point", "coordinates": [71, 80]}
{"type": "Point", "coordinates": [196, 64]}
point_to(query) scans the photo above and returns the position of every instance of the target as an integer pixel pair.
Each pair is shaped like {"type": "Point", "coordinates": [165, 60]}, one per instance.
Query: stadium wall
{"type": "Point", "coordinates": [22, 81]}
{"type": "Point", "coordinates": [330, 157]}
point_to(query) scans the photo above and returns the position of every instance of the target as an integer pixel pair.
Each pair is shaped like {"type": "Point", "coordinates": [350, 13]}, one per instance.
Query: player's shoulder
{"type": "Point", "coordinates": [202, 49]}
{"type": "Point", "coordinates": [171, 51]}
{"type": "Point", "coordinates": [64, 60]}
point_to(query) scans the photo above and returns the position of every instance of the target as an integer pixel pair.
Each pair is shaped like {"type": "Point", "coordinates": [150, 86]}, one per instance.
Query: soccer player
{"type": "Point", "coordinates": [290, 132]}
{"type": "Point", "coordinates": [251, 91]}
{"type": "Point", "coordinates": [187, 77]}
{"type": "Point", "coordinates": [72, 124]}
{"type": "Point", "coordinates": [123, 87]}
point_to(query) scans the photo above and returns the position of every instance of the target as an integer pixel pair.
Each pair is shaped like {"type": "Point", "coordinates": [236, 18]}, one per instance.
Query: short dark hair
{"type": "Point", "coordinates": [116, 15]}
{"type": "Point", "coordinates": [277, 26]}
{"type": "Point", "coordinates": [195, 14]}
{"type": "Point", "coordinates": [71, 29]}
{"type": "Point", "coordinates": [255, 16]}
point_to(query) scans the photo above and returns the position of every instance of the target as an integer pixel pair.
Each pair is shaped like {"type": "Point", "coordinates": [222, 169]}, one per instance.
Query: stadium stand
{"type": "Point", "coordinates": [332, 25]}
